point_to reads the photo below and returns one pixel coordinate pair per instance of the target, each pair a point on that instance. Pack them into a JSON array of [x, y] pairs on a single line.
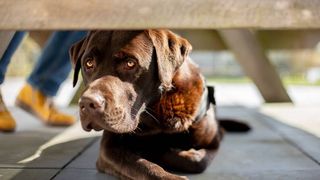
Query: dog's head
[[122, 70]]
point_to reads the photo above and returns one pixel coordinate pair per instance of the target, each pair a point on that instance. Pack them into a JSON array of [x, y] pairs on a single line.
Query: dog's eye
[[90, 63], [130, 64]]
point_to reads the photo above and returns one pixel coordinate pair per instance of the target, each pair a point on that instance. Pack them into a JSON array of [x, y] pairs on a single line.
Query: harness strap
[[211, 97], [207, 99]]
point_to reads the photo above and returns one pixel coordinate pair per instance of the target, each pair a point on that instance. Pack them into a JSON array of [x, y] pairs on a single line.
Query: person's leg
[[6, 57], [54, 66], [7, 122], [51, 70]]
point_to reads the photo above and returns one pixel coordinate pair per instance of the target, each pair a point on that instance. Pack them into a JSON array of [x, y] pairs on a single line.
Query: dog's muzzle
[[92, 107], [107, 104]]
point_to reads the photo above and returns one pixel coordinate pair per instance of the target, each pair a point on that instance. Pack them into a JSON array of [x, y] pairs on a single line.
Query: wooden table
[[137, 14]]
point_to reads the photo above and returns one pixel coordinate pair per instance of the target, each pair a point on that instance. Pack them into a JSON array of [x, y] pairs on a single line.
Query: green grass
[[298, 80], [229, 79], [288, 80]]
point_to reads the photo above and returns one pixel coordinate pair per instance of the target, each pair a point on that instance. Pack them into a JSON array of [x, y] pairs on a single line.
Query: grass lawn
[[288, 80]]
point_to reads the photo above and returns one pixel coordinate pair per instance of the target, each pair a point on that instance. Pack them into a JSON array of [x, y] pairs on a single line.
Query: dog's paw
[[175, 177], [183, 178], [193, 155]]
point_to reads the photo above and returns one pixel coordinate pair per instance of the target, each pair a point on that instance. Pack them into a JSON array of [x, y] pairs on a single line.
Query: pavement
[[271, 150]]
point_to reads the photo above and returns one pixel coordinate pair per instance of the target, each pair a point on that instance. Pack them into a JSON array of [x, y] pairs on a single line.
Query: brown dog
[[150, 99]]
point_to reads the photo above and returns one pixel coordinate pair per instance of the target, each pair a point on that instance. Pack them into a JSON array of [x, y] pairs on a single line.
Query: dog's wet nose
[[93, 103], [88, 127]]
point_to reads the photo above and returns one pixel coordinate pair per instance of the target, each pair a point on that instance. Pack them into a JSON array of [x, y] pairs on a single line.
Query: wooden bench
[[234, 21]]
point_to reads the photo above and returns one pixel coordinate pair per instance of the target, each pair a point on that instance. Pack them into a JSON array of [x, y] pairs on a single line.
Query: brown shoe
[[7, 122], [36, 103]]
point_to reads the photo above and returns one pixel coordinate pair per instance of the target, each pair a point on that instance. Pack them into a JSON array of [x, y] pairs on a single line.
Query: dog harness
[[206, 99]]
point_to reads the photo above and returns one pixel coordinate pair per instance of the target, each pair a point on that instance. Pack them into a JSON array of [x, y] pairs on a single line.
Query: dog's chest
[[177, 109]]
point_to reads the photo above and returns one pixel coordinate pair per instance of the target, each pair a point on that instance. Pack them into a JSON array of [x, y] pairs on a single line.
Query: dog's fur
[[155, 113]]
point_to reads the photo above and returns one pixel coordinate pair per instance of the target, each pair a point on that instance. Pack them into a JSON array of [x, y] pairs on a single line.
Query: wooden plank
[[40, 37], [137, 14], [288, 39], [255, 64], [205, 39]]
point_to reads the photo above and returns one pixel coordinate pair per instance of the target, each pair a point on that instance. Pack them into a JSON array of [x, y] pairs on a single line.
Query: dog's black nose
[[92, 103]]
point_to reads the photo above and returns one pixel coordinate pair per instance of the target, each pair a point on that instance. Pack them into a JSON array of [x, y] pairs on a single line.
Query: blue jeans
[[6, 57], [53, 65]]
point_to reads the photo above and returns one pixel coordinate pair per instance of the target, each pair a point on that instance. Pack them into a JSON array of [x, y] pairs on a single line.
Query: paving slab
[[265, 175], [30, 134], [84, 166], [272, 150], [263, 153], [35, 145], [83, 174], [27, 174], [87, 159], [306, 142]]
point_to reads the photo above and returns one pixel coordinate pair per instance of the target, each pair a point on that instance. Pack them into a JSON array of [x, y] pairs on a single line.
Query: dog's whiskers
[[150, 109], [152, 116], [136, 130], [146, 109]]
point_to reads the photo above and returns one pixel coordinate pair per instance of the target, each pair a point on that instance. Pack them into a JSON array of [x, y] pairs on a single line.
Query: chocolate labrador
[[151, 101]]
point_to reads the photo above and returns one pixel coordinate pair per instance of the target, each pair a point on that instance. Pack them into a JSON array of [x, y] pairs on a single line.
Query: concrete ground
[[272, 150], [283, 144]]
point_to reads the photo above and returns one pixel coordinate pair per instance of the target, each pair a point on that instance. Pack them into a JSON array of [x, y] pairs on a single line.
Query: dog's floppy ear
[[171, 51], [76, 51]]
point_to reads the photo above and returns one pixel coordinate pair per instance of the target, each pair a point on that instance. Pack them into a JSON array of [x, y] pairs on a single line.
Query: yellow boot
[[7, 122], [36, 103]]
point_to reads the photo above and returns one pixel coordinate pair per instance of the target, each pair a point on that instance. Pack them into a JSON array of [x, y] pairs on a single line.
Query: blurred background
[[295, 55]]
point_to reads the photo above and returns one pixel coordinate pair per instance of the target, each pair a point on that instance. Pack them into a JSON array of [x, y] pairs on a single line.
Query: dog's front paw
[[182, 178], [193, 155], [104, 167], [175, 177]]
